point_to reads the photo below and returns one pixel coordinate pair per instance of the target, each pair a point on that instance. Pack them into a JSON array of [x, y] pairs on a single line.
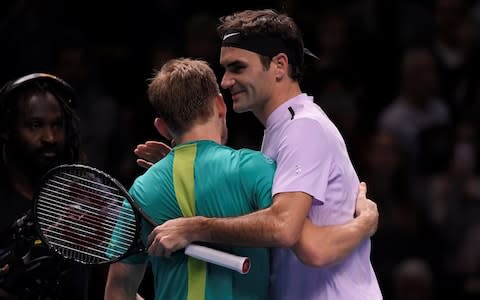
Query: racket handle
[[237, 263]]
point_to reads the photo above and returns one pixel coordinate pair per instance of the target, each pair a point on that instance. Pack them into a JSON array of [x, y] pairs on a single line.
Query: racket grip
[[234, 262]]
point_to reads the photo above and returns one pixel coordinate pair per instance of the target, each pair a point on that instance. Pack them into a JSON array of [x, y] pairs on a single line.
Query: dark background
[[427, 188]]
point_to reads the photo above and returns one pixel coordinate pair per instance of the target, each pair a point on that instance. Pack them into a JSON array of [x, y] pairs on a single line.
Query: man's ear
[[162, 128], [281, 64], [221, 106]]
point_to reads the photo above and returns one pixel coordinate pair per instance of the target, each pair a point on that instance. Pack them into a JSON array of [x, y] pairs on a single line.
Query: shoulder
[[310, 135], [306, 113], [308, 127], [157, 172], [254, 157], [253, 162]]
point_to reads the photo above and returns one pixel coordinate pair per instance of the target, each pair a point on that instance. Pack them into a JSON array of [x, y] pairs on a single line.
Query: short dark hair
[[268, 23]]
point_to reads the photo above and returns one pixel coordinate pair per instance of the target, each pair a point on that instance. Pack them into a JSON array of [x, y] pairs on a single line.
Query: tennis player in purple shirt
[[321, 250], [312, 158]]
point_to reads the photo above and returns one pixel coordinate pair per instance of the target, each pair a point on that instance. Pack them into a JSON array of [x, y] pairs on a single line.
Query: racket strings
[[83, 216], [97, 204], [85, 219], [57, 199]]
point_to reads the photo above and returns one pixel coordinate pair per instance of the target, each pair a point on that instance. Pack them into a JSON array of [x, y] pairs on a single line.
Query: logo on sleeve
[[298, 169]]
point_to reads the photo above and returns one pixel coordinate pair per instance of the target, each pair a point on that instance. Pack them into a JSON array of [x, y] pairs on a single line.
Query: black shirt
[[34, 273]]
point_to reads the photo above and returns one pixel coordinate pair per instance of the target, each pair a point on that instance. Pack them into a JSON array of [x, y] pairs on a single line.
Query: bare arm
[[279, 225], [123, 281], [322, 246]]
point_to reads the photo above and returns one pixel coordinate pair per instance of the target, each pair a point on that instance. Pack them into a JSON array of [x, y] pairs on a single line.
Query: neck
[[206, 131], [280, 95]]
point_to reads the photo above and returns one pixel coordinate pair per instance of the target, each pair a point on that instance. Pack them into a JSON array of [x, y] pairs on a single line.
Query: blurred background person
[[38, 130]]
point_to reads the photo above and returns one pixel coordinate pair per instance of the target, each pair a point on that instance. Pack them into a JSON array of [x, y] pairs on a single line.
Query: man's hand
[[150, 153], [172, 235], [366, 209]]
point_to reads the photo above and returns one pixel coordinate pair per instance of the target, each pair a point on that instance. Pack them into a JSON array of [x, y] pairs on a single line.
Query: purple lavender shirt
[[312, 157]]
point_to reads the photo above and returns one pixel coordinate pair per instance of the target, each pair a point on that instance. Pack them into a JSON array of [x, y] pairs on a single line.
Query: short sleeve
[[304, 159]]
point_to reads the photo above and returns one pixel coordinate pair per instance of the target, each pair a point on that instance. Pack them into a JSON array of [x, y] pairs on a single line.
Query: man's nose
[[227, 81], [49, 134]]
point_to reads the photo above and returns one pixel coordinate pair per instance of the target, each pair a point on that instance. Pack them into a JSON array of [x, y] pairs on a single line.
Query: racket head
[[84, 215]]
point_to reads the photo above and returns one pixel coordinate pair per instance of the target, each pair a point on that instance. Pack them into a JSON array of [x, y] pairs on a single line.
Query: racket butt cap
[[246, 266]]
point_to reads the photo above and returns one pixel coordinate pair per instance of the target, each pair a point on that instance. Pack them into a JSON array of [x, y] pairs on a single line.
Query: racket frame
[[227, 260]]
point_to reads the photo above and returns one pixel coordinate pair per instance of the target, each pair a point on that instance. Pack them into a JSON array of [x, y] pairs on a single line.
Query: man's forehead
[[40, 104], [229, 55]]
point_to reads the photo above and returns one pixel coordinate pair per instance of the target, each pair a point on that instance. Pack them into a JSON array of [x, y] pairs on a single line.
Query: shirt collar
[[282, 113]]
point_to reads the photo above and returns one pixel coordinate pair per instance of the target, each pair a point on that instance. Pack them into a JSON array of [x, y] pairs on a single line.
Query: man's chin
[[46, 164], [239, 109]]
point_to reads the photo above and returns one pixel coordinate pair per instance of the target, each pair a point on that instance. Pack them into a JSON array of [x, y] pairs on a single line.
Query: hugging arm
[[281, 225], [326, 245], [277, 226]]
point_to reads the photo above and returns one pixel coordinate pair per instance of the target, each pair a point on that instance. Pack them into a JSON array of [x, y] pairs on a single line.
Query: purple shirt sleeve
[[304, 160]]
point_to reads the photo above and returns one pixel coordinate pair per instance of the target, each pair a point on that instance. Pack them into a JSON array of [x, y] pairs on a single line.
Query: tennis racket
[[87, 216]]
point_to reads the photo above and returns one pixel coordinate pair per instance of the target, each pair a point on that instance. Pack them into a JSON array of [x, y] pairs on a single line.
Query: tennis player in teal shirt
[[199, 176]]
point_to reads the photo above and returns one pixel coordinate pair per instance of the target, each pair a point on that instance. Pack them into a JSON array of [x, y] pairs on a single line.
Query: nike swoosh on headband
[[230, 35]]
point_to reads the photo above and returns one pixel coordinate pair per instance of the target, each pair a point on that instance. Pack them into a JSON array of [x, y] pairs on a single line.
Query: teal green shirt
[[208, 179]]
